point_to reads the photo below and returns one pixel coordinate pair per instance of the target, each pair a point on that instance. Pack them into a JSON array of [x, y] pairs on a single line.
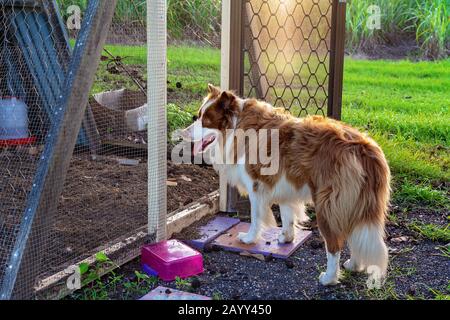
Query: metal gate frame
[[55, 159], [232, 71]]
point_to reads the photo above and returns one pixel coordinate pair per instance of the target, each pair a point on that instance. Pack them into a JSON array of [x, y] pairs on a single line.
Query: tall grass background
[[426, 21]]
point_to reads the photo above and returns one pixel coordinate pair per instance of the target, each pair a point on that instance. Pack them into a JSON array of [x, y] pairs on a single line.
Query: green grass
[[406, 107], [408, 194], [431, 231]]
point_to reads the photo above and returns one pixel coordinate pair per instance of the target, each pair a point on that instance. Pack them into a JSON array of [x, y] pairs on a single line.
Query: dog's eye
[[195, 118]]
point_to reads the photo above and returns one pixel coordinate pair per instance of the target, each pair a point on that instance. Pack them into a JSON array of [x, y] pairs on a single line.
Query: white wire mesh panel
[[157, 122]]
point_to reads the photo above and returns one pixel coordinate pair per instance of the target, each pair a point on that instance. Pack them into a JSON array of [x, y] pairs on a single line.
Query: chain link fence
[[287, 45]]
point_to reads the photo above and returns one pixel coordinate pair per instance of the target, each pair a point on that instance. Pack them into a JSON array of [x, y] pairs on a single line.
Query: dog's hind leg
[[300, 213], [334, 245], [288, 215]]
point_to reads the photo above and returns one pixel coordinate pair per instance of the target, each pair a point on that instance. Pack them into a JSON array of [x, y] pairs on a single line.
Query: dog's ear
[[226, 99], [213, 90]]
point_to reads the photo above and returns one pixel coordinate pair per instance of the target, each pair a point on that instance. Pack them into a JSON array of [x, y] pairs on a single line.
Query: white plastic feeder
[[13, 119]]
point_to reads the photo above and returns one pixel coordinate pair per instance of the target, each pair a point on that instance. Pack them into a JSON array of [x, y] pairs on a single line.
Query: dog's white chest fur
[[281, 192]]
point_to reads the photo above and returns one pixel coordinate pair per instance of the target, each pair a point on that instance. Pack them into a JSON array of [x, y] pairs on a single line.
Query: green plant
[[140, 286], [431, 22], [177, 118], [131, 11], [182, 284], [445, 250], [410, 194], [217, 296], [431, 231], [197, 16], [427, 19], [438, 295], [94, 287]]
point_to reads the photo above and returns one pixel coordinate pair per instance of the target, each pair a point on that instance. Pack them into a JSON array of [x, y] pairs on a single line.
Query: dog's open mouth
[[201, 146]]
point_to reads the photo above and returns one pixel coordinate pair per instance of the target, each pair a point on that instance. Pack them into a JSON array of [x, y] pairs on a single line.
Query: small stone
[[289, 263], [400, 239], [236, 296], [412, 290], [316, 244], [195, 283], [212, 272], [223, 270], [269, 257]]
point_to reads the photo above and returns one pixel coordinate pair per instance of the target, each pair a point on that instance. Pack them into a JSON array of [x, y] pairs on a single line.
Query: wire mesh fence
[[104, 196], [109, 160], [33, 63], [287, 45]]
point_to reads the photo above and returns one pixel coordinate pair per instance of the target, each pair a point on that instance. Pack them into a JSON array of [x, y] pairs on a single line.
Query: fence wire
[[287, 45]]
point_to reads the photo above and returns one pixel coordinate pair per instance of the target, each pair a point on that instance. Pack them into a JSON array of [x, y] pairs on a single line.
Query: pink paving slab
[[162, 293], [171, 259], [268, 244], [213, 229]]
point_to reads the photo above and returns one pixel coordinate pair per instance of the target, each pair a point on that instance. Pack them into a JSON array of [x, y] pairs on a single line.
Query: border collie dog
[[340, 170]]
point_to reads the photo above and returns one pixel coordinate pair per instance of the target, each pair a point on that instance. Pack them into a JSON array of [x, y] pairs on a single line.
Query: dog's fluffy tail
[[368, 249], [366, 237]]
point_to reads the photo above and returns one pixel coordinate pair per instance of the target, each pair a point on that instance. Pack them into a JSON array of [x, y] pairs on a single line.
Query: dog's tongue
[[198, 147]]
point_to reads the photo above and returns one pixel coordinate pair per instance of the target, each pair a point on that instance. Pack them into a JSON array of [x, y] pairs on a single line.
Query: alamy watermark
[[74, 19], [74, 280], [235, 147], [374, 19]]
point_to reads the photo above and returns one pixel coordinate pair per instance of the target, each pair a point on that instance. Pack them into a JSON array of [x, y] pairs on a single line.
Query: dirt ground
[[103, 200], [417, 270]]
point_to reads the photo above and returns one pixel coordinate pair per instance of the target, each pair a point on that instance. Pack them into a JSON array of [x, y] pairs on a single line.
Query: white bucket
[[13, 119]]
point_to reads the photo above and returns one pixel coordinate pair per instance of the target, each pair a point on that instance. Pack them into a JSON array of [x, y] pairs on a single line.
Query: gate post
[[336, 59], [232, 71]]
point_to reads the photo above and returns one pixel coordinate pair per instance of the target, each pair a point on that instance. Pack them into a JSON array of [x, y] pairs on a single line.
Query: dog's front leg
[[258, 208]]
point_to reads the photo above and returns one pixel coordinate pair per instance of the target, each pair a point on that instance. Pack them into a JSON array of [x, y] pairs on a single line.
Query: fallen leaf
[[400, 239], [260, 257]]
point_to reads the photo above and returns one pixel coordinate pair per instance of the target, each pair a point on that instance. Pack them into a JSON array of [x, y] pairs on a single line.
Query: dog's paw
[[351, 266], [328, 280], [283, 238], [246, 238]]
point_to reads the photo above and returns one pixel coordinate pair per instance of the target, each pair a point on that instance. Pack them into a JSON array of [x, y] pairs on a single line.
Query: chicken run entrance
[[83, 119]]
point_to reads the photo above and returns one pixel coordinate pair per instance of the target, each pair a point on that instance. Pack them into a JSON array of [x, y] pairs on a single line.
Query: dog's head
[[217, 114]]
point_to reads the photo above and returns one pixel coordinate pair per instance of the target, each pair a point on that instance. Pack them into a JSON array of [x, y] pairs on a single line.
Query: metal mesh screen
[[107, 191], [287, 53], [33, 66], [104, 196]]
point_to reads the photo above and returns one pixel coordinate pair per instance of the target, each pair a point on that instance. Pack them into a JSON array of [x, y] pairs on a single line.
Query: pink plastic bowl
[[171, 259]]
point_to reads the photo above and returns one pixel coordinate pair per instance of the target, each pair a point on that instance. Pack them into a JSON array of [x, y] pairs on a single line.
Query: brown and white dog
[[341, 170]]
